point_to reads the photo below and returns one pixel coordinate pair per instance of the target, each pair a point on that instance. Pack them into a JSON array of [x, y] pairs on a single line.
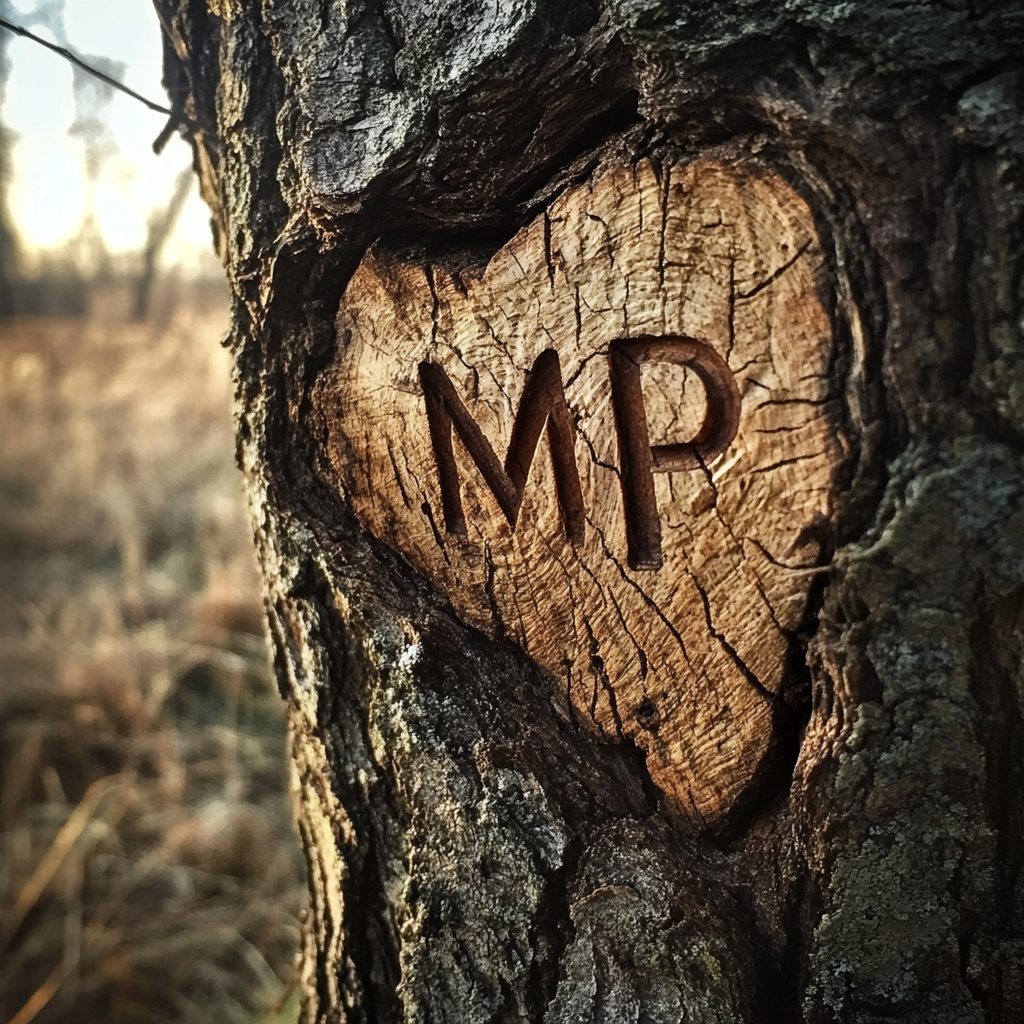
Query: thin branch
[[78, 62]]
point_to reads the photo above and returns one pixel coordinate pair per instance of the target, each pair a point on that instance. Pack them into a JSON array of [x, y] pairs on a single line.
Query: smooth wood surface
[[684, 660]]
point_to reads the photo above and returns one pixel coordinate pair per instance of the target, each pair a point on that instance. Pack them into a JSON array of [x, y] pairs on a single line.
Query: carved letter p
[[639, 460]]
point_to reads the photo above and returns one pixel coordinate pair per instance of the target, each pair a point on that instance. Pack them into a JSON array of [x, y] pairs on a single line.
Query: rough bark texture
[[477, 853]]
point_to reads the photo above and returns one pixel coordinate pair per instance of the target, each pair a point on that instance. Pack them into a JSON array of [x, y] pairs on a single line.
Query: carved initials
[[543, 402], [640, 461]]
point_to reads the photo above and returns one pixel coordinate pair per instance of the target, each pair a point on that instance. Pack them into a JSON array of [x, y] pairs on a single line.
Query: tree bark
[[815, 812]]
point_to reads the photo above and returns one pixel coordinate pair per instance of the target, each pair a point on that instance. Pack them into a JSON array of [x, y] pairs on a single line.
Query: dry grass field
[[149, 870]]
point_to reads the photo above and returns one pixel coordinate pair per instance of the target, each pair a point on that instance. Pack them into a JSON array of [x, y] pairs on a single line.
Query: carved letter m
[[543, 402]]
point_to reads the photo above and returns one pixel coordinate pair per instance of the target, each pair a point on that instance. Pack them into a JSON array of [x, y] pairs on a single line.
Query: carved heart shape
[[686, 660]]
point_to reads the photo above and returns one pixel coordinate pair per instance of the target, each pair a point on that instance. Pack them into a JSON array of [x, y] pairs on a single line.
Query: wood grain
[[684, 660]]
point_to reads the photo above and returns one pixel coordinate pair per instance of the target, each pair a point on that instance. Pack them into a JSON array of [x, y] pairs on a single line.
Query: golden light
[[51, 190]]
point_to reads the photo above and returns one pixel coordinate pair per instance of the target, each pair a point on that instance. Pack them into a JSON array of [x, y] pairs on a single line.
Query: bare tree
[[716, 714], [8, 241], [161, 224]]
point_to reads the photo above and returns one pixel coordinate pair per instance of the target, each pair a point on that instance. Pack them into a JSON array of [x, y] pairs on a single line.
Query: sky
[[52, 191]]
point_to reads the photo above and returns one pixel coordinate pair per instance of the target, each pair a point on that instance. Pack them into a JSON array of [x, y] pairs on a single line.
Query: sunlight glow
[[48, 197], [51, 193]]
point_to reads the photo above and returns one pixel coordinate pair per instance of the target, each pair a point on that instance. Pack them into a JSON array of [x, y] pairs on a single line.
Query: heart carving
[[662, 334]]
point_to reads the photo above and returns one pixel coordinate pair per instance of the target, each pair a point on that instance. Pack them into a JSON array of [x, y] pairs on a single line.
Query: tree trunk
[[714, 713]]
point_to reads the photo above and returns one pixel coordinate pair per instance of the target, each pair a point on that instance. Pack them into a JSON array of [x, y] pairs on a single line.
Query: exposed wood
[[685, 660]]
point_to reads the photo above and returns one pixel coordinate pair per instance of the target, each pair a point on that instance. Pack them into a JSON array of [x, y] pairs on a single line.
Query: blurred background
[[149, 867]]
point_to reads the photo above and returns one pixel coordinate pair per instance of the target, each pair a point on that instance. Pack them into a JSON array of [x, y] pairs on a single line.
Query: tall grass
[[149, 870]]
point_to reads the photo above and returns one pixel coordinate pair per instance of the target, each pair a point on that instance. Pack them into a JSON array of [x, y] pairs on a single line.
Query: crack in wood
[[775, 275]]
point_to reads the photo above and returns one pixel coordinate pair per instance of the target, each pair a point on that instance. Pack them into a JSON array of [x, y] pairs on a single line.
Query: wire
[[69, 56]]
